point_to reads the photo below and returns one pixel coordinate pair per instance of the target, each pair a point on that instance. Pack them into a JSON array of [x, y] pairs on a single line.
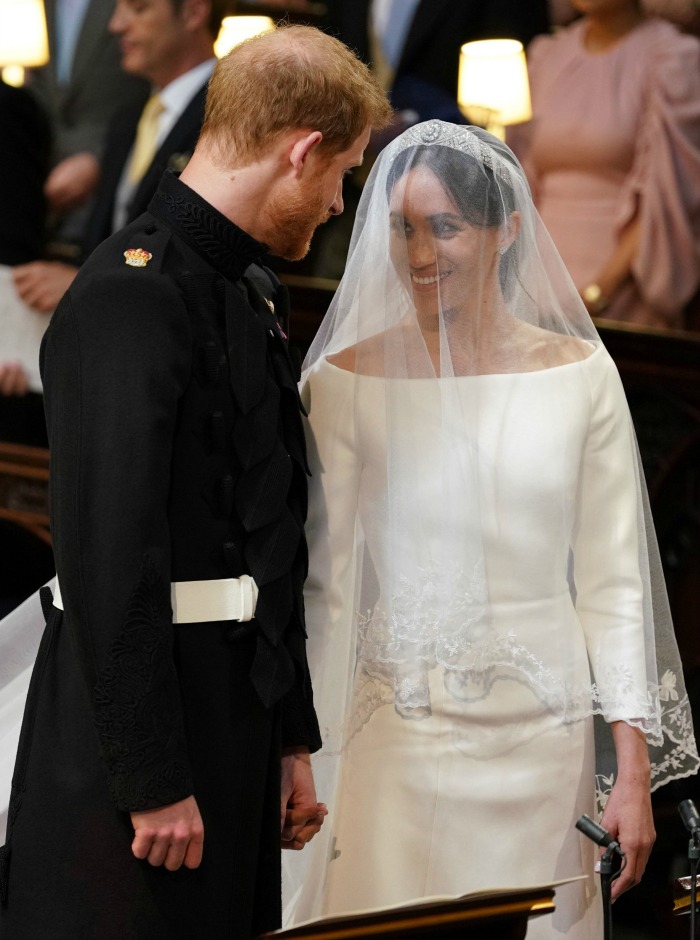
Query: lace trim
[[137, 700], [472, 668], [674, 757], [439, 617], [422, 625]]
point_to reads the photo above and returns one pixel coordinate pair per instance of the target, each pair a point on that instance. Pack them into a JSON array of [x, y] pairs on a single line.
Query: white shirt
[[175, 98], [69, 16]]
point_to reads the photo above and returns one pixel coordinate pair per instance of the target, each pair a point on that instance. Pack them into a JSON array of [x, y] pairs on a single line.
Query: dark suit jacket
[[24, 163], [177, 454], [173, 153], [80, 110], [441, 27], [438, 30]]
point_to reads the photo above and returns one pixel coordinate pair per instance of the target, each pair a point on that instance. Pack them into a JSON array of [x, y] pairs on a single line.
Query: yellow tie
[[146, 135]]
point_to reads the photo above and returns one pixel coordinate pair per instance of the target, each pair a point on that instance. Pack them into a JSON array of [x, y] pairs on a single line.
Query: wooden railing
[[24, 476]]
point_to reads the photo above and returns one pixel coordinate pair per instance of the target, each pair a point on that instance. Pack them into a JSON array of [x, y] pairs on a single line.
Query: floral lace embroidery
[[676, 753], [398, 649]]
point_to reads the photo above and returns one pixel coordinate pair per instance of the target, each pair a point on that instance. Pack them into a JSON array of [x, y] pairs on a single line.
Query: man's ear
[[302, 146], [195, 13]]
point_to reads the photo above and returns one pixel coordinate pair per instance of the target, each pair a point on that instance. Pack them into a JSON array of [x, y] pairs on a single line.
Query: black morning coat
[[177, 454]]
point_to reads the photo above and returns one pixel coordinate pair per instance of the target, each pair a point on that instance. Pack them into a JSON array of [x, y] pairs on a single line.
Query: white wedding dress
[[459, 732]]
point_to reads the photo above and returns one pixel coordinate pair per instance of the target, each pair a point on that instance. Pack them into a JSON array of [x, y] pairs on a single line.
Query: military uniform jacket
[[177, 454]]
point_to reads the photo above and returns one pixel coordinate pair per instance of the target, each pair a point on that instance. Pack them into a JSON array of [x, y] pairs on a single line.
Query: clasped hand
[[173, 835], [301, 815]]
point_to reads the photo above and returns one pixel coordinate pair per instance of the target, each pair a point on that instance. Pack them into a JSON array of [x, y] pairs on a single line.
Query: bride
[[483, 578]]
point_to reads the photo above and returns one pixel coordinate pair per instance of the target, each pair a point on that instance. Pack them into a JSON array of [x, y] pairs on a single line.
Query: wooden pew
[[24, 498]]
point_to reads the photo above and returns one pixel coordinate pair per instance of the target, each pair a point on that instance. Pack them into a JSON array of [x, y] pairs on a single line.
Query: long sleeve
[[116, 361], [331, 534], [329, 400], [608, 552]]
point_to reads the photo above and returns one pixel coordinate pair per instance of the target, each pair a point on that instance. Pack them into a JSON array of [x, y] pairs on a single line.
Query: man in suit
[[166, 739], [80, 89], [169, 43], [24, 163], [414, 44], [27, 562], [413, 48]]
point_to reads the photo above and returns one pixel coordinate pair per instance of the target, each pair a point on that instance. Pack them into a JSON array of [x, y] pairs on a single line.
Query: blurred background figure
[[80, 88], [684, 13], [170, 43], [24, 157], [53, 136], [24, 162], [613, 157], [413, 48], [413, 45]]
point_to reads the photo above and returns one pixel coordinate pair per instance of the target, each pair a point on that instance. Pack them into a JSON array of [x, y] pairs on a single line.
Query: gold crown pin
[[137, 257]]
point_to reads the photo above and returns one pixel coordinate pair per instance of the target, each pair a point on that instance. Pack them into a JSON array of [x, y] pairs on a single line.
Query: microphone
[[689, 815], [595, 832]]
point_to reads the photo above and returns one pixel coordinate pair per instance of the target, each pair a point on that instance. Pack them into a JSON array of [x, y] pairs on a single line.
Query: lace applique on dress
[[673, 750], [400, 642]]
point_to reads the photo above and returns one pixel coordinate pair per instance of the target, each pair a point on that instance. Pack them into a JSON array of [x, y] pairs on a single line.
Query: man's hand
[[301, 814], [41, 284], [72, 181], [170, 835], [13, 378]]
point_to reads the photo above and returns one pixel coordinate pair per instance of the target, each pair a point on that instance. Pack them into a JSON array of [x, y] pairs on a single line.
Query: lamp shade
[[236, 29], [23, 39], [493, 81]]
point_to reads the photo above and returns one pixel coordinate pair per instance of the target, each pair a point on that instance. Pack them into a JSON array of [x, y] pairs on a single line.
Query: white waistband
[[204, 601]]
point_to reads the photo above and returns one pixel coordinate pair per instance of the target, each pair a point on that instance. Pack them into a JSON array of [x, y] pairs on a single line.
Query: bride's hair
[[471, 184], [483, 200]]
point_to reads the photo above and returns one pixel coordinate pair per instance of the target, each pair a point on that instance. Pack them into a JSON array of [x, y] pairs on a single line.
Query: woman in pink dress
[[613, 157]]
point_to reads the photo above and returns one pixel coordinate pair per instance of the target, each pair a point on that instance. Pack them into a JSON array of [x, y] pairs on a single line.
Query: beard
[[292, 220]]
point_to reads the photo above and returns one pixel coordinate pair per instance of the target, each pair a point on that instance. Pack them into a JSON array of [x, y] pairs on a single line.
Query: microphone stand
[[607, 876], [608, 870], [691, 821], [694, 859]]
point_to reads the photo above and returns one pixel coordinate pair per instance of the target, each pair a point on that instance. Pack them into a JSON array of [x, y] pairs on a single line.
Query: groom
[[170, 718]]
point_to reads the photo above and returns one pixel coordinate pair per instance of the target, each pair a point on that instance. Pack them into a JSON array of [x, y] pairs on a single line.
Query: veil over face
[[489, 521], [448, 253]]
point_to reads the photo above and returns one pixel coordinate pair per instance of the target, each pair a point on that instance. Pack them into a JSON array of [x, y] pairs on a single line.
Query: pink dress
[[613, 132]]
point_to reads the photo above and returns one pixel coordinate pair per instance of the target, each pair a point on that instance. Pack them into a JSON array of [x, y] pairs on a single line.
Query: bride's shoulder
[[366, 357], [346, 359], [546, 349]]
